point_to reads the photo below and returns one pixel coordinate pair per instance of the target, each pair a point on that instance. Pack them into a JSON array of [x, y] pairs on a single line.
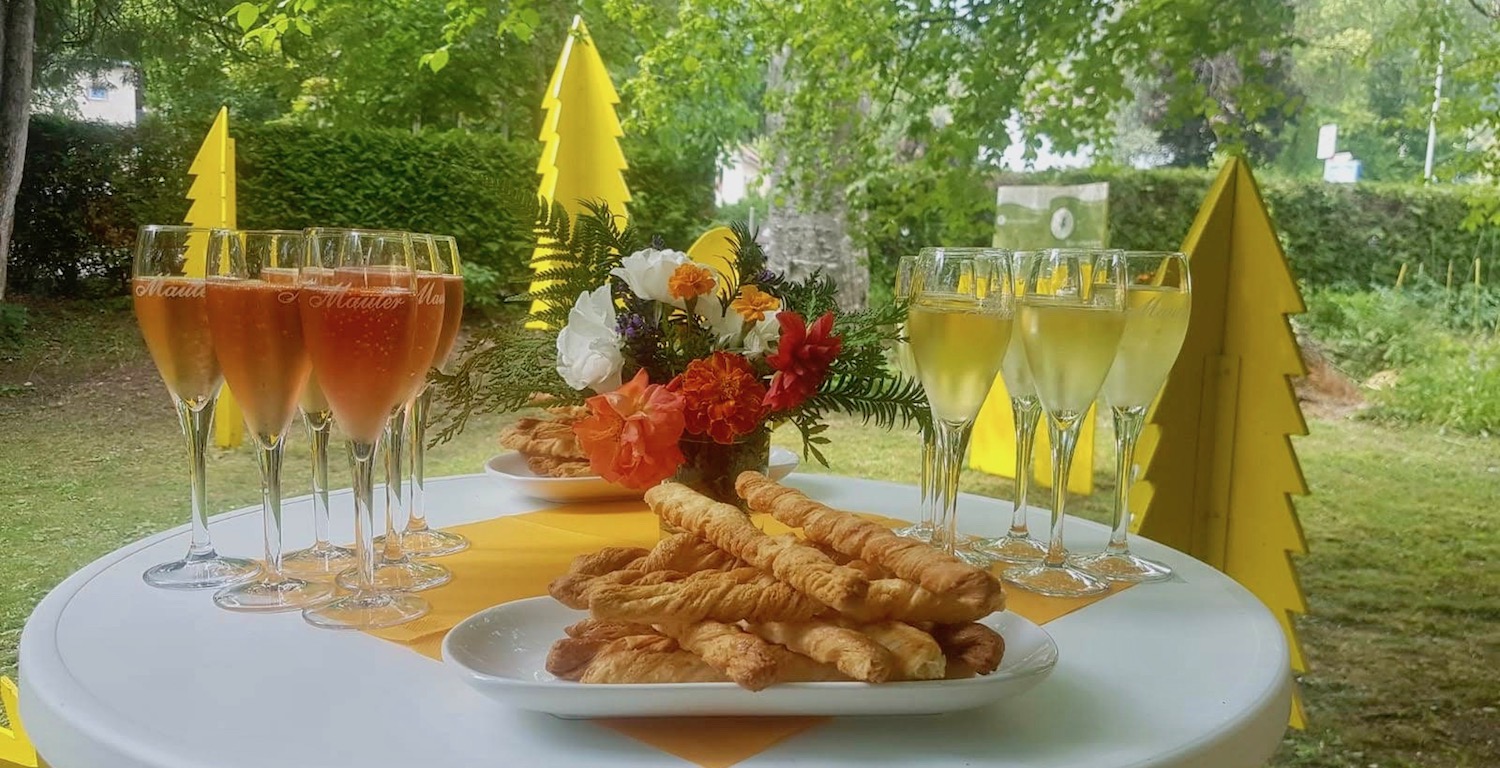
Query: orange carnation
[[689, 281], [722, 397], [631, 434], [753, 303]]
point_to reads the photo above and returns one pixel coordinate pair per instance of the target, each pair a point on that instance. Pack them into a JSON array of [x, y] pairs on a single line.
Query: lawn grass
[[1403, 638]]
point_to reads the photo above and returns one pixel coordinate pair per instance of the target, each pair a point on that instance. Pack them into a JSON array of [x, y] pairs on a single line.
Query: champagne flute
[[323, 560], [418, 540], [359, 306], [172, 309], [396, 570], [1017, 545], [257, 332], [1158, 303], [1072, 315], [927, 494], [958, 324]]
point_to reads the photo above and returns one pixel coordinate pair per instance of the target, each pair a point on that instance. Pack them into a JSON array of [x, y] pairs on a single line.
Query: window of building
[[98, 90]]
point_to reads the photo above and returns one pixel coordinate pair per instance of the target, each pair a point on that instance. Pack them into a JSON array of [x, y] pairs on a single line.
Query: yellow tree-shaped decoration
[[15, 747], [1219, 469], [212, 196], [581, 154]]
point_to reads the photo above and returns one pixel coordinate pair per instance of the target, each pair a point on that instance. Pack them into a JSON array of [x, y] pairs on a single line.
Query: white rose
[[588, 348], [646, 273]]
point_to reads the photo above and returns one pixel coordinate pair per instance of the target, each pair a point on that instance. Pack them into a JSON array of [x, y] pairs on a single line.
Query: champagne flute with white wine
[[1071, 317], [1018, 545], [958, 325], [1158, 303], [907, 362]]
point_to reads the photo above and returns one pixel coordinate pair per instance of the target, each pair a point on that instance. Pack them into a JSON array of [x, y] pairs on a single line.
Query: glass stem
[[930, 496], [317, 433], [1128, 423], [270, 499], [1064, 434], [1027, 412], [196, 426], [395, 439], [362, 469], [416, 513], [953, 439]]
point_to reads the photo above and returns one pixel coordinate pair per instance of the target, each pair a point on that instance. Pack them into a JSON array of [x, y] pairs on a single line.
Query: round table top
[[1189, 672]]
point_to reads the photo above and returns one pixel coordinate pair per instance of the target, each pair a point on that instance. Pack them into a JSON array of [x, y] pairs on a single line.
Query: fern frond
[[501, 369]]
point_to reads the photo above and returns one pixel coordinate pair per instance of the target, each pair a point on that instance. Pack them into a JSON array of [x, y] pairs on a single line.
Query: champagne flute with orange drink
[[419, 540], [358, 305], [256, 326], [396, 570], [172, 308]]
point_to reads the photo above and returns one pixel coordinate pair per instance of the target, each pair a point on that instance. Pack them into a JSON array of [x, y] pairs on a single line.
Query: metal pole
[[1437, 98]]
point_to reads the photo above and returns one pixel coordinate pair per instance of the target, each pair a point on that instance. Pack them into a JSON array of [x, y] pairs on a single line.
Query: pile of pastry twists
[[726, 602], [548, 443]]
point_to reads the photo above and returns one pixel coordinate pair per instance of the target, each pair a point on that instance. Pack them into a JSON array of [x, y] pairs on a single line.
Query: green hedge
[[1336, 236], [87, 186]]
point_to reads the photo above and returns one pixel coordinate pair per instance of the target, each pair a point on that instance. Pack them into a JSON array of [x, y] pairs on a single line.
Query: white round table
[[115, 674]]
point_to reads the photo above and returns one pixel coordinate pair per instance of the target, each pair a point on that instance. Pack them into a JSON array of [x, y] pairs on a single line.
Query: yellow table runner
[[515, 556]]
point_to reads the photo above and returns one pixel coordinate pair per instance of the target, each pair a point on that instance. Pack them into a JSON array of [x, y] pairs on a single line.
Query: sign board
[[1342, 168], [1029, 218], [1328, 137]]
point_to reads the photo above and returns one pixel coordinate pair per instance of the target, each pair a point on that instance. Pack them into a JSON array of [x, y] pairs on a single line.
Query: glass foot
[[273, 596], [1013, 549], [367, 610], [1054, 580], [916, 531], [320, 562], [1121, 566], [408, 576], [429, 543], [972, 556], [208, 571]]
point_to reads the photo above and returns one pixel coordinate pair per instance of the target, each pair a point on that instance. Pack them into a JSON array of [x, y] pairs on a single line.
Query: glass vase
[[710, 468]]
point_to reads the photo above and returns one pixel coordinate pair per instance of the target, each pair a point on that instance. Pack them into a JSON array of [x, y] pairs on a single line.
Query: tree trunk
[[802, 236], [17, 44]]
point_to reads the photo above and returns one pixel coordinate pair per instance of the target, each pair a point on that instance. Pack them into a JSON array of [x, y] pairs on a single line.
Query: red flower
[[631, 434], [722, 397], [801, 360]]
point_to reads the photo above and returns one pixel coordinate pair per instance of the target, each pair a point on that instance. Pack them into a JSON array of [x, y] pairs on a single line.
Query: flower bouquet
[[684, 370]]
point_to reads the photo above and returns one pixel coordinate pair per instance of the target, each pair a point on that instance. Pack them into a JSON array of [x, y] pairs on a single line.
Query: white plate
[[502, 651], [510, 469]]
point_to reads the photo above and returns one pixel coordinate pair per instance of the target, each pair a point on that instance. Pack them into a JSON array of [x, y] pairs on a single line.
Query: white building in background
[[107, 96]]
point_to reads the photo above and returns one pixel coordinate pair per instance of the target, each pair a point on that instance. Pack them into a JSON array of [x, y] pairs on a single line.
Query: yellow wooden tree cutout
[[212, 196], [581, 154], [15, 747], [1218, 465]]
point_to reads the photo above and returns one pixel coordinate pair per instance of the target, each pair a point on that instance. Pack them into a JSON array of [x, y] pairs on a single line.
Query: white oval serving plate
[[501, 652], [510, 469]]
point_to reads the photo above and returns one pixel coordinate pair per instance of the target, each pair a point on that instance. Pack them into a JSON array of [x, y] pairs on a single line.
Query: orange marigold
[[753, 303], [722, 397], [689, 281]]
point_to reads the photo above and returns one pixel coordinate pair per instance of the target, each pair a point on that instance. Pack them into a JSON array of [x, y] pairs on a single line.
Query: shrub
[[87, 186], [1370, 331], [1350, 237], [1456, 385]]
